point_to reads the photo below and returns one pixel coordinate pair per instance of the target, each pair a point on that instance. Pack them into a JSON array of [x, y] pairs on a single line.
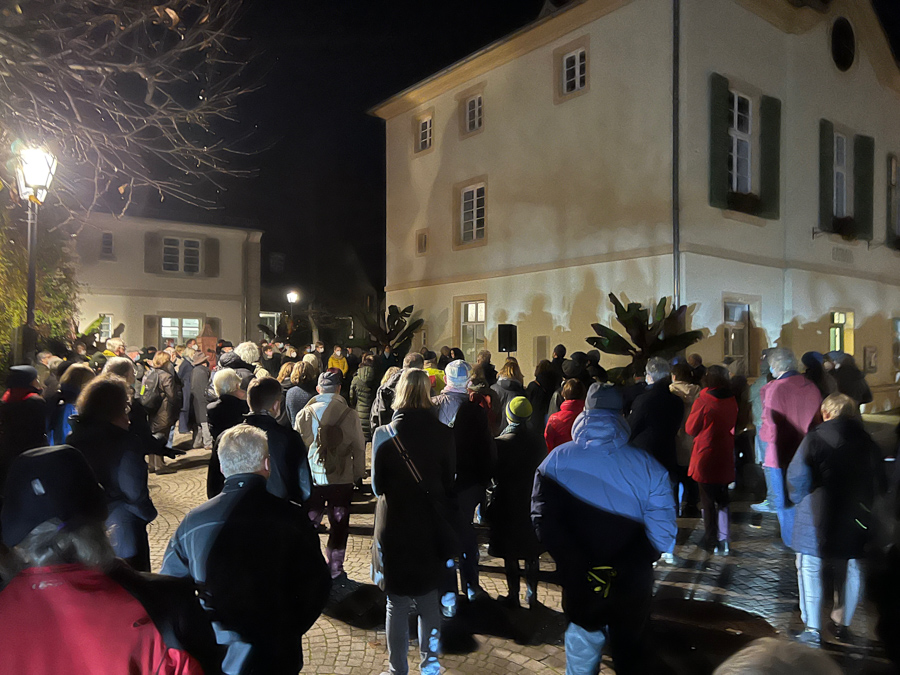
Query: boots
[[336, 561]]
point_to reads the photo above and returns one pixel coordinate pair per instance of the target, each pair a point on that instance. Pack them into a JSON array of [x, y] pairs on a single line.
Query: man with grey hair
[[790, 409], [258, 559], [382, 406], [249, 353], [655, 419], [116, 346]]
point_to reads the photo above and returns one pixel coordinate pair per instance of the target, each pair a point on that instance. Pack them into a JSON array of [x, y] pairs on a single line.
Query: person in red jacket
[[711, 423], [559, 426], [71, 606]]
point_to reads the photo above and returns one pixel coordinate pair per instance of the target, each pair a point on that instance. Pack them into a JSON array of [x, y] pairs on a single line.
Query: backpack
[[151, 398], [329, 439]]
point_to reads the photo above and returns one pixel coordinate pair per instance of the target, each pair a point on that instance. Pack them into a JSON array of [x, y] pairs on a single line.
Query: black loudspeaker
[[507, 337]]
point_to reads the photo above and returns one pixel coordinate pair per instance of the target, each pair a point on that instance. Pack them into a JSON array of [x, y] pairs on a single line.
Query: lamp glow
[[293, 297], [35, 168]]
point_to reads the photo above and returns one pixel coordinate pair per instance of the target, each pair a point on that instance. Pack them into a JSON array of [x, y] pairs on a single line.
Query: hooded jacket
[[559, 426], [602, 506], [711, 423], [382, 406], [332, 409], [834, 479]]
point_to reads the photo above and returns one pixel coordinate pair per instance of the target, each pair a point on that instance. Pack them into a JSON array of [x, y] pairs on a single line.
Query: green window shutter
[[151, 330], [864, 186], [719, 141], [826, 176], [770, 158], [211, 256], [152, 252], [890, 233]]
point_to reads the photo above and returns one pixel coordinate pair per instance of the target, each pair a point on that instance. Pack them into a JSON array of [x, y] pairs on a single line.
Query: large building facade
[[168, 280], [534, 177]]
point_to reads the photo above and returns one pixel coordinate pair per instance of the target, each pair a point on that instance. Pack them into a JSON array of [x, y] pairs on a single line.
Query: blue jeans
[[396, 626], [784, 509], [583, 650]]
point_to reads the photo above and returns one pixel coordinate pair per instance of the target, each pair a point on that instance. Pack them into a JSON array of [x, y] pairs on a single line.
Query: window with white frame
[[474, 113], [737, 335], [740, 130], [472, 213], [180, 329], [472, 328], [840, 335], [105, 327], [574, 71], [840, 176], [423, 142], [107, 252], [181, 255]]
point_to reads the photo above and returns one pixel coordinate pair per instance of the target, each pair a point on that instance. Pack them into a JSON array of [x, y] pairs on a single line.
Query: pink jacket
[[790, 409]]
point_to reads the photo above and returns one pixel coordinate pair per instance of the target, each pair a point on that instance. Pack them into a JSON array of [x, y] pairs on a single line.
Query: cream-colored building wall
[[565, 181], [124, 288], [559, 305]]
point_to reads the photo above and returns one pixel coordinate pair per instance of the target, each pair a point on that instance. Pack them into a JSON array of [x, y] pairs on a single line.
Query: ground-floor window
[[737, 336], [105, 327], [840, 335], [270, 320], [179, 329], [472, 328]]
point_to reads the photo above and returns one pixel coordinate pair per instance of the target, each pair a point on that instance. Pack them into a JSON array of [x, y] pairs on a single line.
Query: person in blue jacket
[[604, 511]]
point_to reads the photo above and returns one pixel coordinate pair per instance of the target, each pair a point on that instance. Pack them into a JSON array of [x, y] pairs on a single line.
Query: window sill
[[742, 217], [461, 246]]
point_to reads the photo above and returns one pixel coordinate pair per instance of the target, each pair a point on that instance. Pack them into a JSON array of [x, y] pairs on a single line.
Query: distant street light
[[292, 298], [35, 168]]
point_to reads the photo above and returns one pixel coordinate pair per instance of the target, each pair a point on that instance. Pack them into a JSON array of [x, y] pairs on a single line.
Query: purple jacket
[[790, 409]]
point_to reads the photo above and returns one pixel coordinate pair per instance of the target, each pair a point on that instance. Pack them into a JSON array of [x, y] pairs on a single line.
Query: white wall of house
[[578, 191], [133, 288]]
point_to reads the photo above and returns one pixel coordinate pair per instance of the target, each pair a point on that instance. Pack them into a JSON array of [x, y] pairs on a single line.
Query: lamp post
[[292, 298], [35, 168]]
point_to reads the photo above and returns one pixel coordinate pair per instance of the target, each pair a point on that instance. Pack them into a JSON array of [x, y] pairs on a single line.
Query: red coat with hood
[[711, 423], [559, 426]]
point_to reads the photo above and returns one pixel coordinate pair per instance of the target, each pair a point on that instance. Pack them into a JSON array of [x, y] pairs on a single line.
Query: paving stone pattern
[[758, 577]]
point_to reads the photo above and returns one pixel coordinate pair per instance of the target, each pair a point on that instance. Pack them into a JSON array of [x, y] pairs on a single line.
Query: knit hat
[[812, 360], [46, 483], [20, 377], [329, 382], [457, 374], [603, 396], [519, 409]]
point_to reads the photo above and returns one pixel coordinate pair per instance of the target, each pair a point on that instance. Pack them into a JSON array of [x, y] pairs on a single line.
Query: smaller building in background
[[167, 280]]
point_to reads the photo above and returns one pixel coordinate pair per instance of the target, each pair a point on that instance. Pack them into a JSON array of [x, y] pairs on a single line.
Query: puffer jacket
[[362, 393], [711, 423], [559, 426]]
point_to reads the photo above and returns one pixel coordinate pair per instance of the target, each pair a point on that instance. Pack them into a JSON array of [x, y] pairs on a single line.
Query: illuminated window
[[179, 329], [841, 333], [740, 130], [181, 255], [574, 71], [472, 328], [472, 213], [106, 327], [737, 335]]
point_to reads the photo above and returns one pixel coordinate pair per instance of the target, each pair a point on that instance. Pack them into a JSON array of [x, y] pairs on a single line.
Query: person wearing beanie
[[72, 606], [475, 458], [814, 371], [604, 510], [337, 459], [559, 426], [23, 417], [508, 505]]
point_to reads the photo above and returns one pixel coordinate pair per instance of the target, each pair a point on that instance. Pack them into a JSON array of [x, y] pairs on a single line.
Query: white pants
[[847, 589]]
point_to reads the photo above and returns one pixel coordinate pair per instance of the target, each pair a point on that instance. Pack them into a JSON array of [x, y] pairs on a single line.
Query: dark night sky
[[319, 194]]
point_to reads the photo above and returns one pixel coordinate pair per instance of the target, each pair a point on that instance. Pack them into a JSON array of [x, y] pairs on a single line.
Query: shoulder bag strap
[[408, 460]]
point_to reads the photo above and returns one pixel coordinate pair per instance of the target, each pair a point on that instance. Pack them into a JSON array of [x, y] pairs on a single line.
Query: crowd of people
[[591, 472]]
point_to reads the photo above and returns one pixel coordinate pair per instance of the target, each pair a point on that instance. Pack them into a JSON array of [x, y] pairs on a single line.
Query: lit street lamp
[[35, 167], [292, 298]]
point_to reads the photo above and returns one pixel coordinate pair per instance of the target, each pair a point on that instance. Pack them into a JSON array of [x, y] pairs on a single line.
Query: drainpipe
[[676, 152]]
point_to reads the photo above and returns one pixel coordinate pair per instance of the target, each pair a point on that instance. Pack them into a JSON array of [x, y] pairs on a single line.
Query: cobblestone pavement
[[759, 577]]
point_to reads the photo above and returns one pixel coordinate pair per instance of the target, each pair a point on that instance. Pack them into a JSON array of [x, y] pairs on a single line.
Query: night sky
[[319, 193]]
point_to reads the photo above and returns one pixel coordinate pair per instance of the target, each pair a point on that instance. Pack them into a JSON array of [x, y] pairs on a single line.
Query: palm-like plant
[[659, 335], [395, 329]]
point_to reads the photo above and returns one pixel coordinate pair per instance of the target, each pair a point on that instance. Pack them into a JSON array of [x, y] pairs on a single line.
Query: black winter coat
[[519, 453], [170, 388], [290, 477], [656, 417], [117, 458], [23, 426], [540, 393], [362, 393], [834, 478], [227, 412], [476, 451], [260, 564], [410, 545], [506, 390], [851, 381], [199, 392]]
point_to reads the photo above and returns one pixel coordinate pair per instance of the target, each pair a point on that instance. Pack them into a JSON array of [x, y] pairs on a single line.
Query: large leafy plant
[[659, 334], [394, 330]]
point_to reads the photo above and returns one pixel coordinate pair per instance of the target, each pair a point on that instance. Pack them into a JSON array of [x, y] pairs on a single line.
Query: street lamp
[[292, 298], [35, 167]]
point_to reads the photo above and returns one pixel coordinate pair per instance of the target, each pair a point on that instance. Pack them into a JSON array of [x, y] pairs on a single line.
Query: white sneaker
[[668, 558], [448, 605]]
